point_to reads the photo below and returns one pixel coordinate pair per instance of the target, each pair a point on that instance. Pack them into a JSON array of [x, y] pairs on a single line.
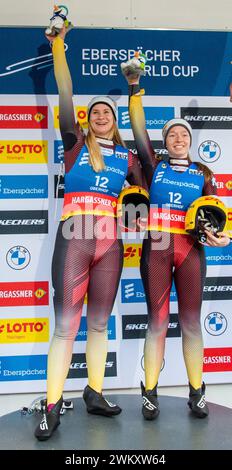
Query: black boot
[[197, 402], [49, 422], [150, 407], [97, 405]]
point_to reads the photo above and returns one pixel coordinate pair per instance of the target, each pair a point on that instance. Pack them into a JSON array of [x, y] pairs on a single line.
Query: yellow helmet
[[205, 213], [133, 203]]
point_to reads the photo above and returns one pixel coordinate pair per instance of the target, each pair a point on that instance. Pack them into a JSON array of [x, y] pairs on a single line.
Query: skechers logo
[[208, 118], [23, 222]]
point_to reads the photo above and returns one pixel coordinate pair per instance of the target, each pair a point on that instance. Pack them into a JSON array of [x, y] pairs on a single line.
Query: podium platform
[[174, 429]]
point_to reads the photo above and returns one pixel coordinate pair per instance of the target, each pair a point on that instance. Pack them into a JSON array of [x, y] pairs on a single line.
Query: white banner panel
[[183, 79]]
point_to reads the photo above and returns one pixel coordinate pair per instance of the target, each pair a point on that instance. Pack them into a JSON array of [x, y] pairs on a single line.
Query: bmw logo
[[215, 323], [18, 257], [209, 151]]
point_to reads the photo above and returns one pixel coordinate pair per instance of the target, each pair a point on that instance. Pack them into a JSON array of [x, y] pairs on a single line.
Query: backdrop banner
[[187, 75]]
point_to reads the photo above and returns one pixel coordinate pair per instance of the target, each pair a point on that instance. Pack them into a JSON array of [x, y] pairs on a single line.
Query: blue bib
[[82, 178], [174, 189]]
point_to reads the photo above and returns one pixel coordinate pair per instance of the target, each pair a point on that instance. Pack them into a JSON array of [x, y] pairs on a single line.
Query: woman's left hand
[[220, 240]]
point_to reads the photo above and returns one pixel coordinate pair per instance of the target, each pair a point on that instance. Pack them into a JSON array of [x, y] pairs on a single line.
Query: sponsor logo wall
[[182, 79]]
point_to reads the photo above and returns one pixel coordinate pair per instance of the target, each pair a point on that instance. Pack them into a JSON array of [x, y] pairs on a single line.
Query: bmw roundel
[[209, 151], [215, 323], [18, 257]]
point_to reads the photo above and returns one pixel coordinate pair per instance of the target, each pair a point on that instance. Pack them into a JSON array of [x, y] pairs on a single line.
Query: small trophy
[[134, 66], [58, 20]]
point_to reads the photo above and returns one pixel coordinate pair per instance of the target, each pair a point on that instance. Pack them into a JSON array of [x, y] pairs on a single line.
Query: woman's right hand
[[132, 70], [61, 34]]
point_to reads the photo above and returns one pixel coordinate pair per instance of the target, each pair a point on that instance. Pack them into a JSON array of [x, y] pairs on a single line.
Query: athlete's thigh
[[189, 281], [156, 272], [104, 279], [70, 269]]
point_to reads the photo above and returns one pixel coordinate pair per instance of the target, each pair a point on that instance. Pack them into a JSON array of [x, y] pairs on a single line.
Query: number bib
[[171, 194], [88, 192]]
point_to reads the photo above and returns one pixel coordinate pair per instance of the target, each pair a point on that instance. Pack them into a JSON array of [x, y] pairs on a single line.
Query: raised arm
[[145, 151], [69, 130]]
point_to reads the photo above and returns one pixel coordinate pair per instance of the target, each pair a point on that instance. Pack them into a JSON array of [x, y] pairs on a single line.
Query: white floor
[[219, 394]]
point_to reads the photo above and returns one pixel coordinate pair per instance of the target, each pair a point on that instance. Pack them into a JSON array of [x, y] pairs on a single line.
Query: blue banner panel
[[155, 117], [219, 256], [23, 186], [182, 63], [23, 368], [132, 291], [82, 333]]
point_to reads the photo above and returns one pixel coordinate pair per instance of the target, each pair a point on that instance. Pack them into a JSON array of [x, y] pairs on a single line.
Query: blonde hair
[[96, 159]]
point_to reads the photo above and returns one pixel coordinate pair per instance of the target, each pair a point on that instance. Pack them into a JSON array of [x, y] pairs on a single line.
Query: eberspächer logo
[[209, 151], [18, 257], [215, 323]]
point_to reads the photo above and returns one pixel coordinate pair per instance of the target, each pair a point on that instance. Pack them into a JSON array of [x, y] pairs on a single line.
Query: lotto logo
[[132, 254], [24, 330], [81, 115]]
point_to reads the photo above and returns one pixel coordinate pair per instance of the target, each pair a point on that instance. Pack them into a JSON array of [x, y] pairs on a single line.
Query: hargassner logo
[[18, 257], [209, 151], [58, 151], [82, 333], [219, 256], [217, 288], [155, 117], [208, 118], [13, 368], [215, 323], [23, 151], [22, 222], [23, 117], [23, 187], [78, 366], [135, 326], [217, 360], [16, 294]]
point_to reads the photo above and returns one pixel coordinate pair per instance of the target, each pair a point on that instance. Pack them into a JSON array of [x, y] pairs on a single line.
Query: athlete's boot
[[197, 402], [49, 422], [96, 404], [150, 407]]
